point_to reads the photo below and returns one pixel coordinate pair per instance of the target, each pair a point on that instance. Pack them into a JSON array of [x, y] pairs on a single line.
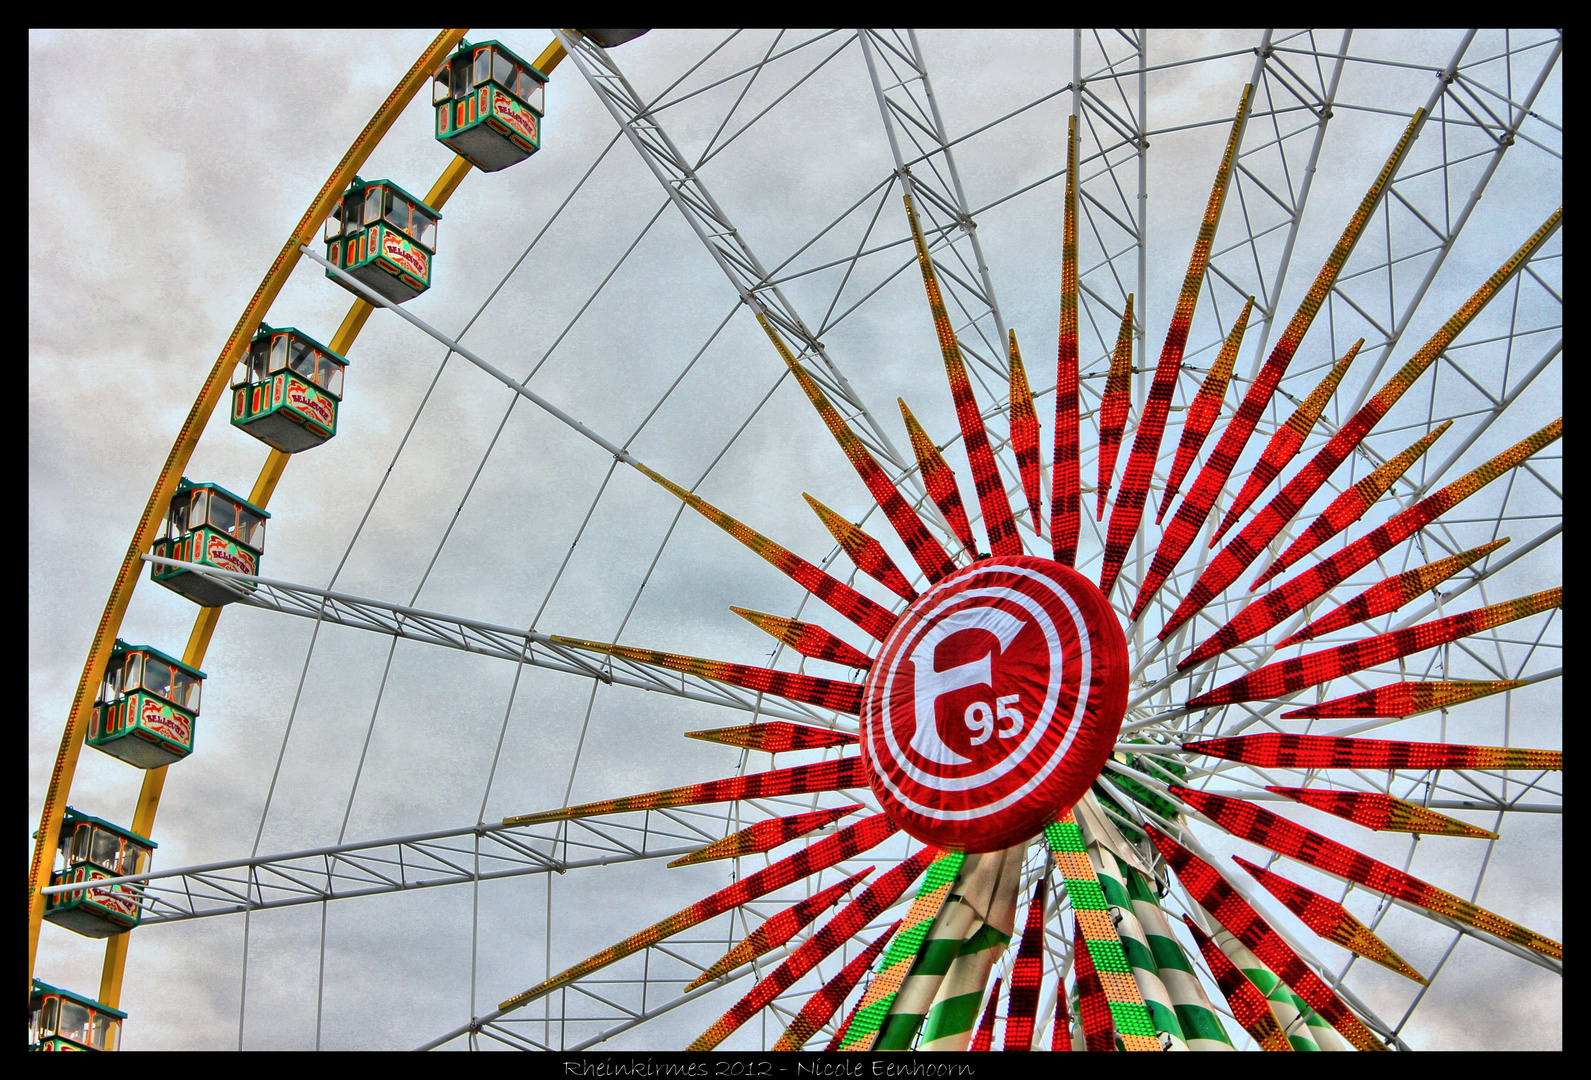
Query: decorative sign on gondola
[[383, 237], [994, 703], [287, 389], [147, 706], [210, 526], [489, 103]]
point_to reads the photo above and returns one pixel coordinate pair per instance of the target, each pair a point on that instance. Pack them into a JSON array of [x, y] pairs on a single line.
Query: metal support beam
[[911, 113], [1454, 144], [401, 864], [717, 232], [489, 639]]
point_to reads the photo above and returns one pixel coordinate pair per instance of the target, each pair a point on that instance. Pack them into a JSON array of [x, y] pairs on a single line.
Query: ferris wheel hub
[[994, 703]]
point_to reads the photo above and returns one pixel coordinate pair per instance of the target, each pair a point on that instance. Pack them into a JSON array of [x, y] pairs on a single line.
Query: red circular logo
[[994, 703]]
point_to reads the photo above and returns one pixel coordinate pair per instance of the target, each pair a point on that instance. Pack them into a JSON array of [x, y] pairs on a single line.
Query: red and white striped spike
[[1352, 504], [1287, 440], [865, 551], [870, 616], [940, 480], [1258, 533], [1065, 480], [1127, 514], [1212, 478], [1205, 409], [927, 552], [1290, 676], [997, 520], [1025, 437], [1114, 406]]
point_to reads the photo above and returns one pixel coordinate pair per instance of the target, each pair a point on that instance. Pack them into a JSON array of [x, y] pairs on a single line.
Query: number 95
[[980, 718]]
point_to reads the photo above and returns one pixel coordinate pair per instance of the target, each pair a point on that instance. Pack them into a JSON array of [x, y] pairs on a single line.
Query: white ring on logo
[[1019, 754]]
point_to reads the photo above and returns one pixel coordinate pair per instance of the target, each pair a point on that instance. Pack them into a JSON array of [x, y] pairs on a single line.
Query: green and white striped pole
[[954, 1012], [1305, 1028], [863, 1026], [1150, 944], [1201, 1024], [1096, 929], [968, 896], [1140, 958]]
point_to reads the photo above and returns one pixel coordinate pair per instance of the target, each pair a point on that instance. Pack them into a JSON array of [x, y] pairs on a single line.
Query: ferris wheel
[[1286, 513]]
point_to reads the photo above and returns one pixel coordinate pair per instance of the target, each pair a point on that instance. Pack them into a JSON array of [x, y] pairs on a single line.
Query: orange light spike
[[1289, 676], [1274, 749], [775, 737], [866, 552], [765, 836], [807, 639], [984, 1039], [1251, 822], [1065, 479], [1248, 1005], [825, 693], [1292, 596], [777, 929], [1383, 813], [1244, 548], [1402, 699], [1127, 514], [1027, 972], [847, 843], [1216, 896], [801, 780], [823, 1004], [1352, 504], [871, 617], [1389, 595], [876, 899], [1205, 409], [927, 552], [940, 480], [1114, 405], [1025, 436], [1331, 921], [1288, 440], [1211, 481], [997, 519]]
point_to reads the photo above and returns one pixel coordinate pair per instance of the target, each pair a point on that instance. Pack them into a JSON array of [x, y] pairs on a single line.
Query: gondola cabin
[[489, 105], [384, 237], [61, 1020], [209, 525], [91, 850], [287, 389], [148, 706]]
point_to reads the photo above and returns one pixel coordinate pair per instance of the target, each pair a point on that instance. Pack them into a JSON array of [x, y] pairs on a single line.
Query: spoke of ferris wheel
[[497, 1019], [1216, 615], [1318, 104], [406, 863], [635, 1020], [1503, 135], [909, 104], [498, 1026], [1233, 879], [717, 232], [1491, 417], [490, 639]]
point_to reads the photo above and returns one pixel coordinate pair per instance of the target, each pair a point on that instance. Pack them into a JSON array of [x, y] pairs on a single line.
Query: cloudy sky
[[158, 200]]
